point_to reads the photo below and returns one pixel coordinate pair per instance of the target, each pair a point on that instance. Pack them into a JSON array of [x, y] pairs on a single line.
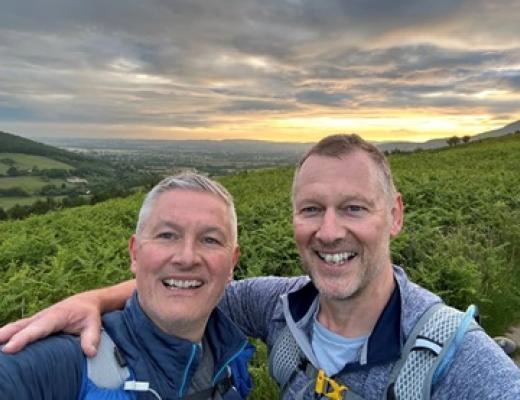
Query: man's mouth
[[337, 258], [181, 283]]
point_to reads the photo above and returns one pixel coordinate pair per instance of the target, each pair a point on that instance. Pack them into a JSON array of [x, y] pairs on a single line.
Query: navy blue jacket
[[55, 367]]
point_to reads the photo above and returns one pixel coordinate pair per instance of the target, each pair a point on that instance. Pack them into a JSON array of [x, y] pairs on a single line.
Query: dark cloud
[[253, 106], [322, 98]]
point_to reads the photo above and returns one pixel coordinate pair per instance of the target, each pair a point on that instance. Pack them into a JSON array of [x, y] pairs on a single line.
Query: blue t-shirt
[[333, 351]]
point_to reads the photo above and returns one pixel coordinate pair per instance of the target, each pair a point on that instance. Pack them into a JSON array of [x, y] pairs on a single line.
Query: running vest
[[109, 377], [426, 357]]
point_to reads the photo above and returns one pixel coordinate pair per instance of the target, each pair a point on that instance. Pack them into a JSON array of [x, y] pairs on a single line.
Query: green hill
[[28, 162], [35, 178], [10, 143], [461, 236]]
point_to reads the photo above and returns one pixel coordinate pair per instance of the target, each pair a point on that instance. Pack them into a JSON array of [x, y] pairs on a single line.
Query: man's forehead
[[317, 164], [189, 205], [353, 166], [178, 224], [189, 196]]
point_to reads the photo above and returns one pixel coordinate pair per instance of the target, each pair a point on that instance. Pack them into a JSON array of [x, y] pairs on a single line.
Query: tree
[[466, 138], [3, 214], [55, 173], [12, 171], [40, 207], [453, 141], [14, 192], [18, 211]]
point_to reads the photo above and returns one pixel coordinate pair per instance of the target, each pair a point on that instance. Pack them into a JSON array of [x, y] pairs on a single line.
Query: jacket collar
[[384, 343], [153, 354]]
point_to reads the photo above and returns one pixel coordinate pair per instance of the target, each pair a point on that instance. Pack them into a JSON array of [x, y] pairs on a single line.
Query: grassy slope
[[7, 202], [29, 183], [27, 161]]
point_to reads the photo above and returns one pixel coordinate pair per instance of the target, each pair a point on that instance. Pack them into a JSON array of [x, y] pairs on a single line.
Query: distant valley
[[64, 172]]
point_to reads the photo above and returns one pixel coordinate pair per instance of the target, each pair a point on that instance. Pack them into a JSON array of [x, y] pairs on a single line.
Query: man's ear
[[132, 250], [235, 257], [397, 215]]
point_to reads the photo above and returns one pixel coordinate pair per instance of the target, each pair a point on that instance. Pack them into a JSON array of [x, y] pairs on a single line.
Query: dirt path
[[514, 333]]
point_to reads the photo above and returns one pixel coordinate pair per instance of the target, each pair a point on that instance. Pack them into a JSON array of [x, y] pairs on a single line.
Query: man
[[169, 342], [343, 334]]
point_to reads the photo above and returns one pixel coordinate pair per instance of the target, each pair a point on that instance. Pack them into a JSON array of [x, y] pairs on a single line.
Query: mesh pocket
[[285, 357], [439, 328]]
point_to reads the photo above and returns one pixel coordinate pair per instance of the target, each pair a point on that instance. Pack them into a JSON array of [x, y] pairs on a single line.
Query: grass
[[26, 162], [8, 202], [29, 183]]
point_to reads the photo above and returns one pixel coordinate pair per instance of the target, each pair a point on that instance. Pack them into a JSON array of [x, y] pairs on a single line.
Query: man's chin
[[332, 289]]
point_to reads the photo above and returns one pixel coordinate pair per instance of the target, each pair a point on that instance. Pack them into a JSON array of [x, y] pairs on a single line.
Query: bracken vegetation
[[461, 236]]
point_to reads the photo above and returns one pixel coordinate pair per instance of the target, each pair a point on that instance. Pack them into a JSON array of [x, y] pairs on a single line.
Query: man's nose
[[330, 229], [186, 255]]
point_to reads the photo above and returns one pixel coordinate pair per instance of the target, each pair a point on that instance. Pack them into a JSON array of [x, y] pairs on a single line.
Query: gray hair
[[342, 144], [187, 181]]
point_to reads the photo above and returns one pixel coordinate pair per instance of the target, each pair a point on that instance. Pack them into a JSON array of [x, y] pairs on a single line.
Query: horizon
[[282, 71]]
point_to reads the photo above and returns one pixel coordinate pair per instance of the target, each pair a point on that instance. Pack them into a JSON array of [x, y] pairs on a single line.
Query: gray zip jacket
[[263, 307]]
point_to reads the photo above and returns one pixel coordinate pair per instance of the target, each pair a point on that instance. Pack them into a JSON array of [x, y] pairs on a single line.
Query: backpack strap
[[286, 360], [429, 351], [107, 369]]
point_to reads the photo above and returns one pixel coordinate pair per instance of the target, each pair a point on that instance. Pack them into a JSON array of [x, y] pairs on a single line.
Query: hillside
[[439, 143], [10, 143], [36, 177], [510, 128], [27, 162], [461, 236]]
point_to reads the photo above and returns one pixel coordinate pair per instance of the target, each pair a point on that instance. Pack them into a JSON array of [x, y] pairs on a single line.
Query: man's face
[[343, 222], [183, 260]]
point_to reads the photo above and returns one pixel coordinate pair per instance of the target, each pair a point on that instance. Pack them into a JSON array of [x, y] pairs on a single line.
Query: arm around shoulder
[[250, 303], [78, 314]]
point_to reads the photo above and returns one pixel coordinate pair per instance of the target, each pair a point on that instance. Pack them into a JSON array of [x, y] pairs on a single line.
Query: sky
[[282, 70]]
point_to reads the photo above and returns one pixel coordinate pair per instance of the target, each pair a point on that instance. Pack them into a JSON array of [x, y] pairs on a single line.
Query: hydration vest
[[109, 377], [426, 357]]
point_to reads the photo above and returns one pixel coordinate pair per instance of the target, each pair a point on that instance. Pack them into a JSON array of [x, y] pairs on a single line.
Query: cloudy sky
[[284, 70]]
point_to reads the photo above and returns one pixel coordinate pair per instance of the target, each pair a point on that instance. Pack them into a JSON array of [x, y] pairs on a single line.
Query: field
[[30, 183], [461, 236], [26, 162], [8, 202]]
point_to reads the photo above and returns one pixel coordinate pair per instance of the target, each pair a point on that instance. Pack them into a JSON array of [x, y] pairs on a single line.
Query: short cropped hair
[[342, 144], [187, 181]]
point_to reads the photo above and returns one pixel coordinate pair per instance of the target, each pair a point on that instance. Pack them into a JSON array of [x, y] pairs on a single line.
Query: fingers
[[76, 314], [32, 329], [90, 336], [11, 329]]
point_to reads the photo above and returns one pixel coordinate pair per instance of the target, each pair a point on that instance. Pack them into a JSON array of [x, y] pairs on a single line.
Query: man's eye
[[310, 210], [210, 240], [354, 209], [166, 235]]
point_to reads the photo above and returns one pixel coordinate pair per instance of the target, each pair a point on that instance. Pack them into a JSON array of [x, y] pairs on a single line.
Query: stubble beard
[[367, 271]]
